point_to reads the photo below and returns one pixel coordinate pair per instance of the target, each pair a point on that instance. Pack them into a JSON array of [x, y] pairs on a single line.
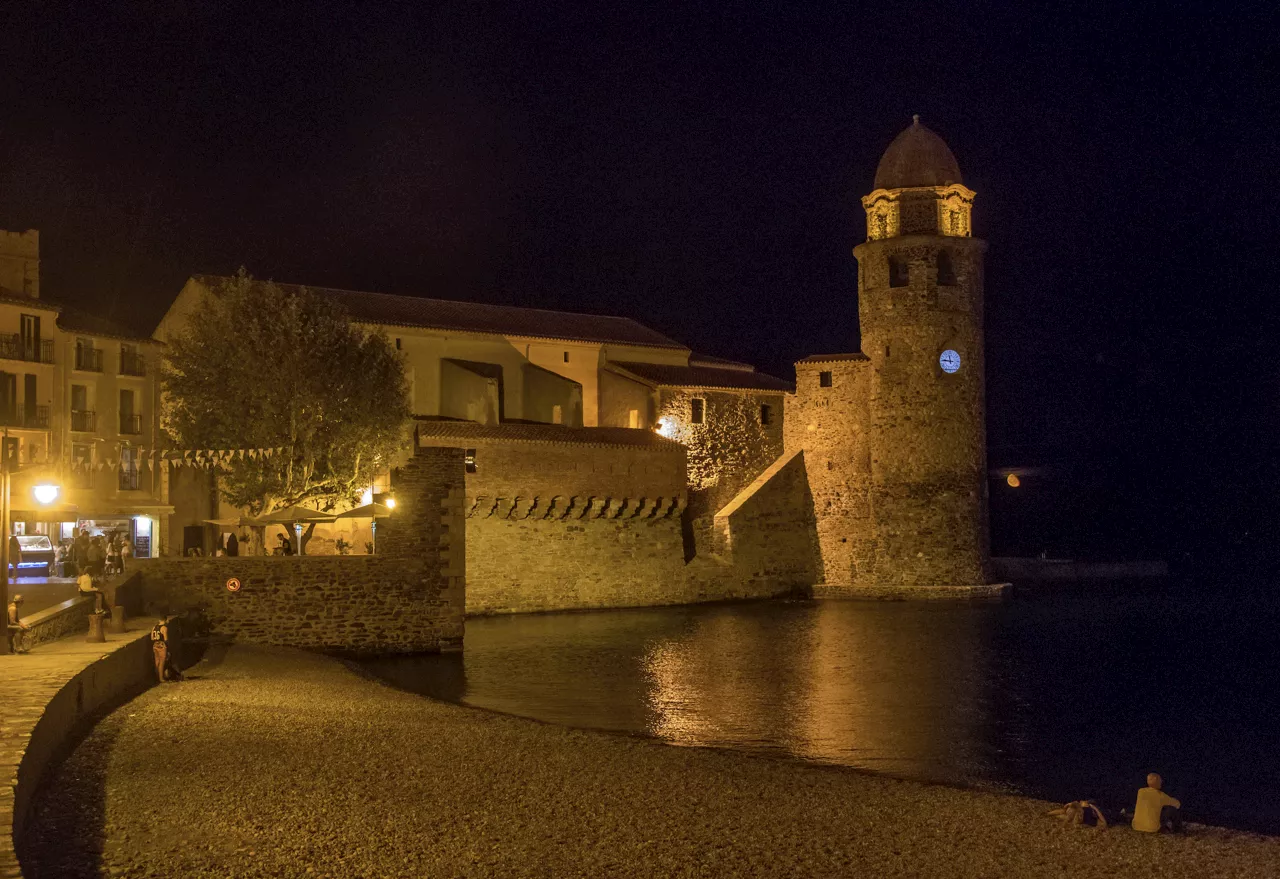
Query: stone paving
[[28, 683], [269, 762]]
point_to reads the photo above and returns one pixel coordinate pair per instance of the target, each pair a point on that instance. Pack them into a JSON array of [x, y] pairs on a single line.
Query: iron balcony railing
[[84, 420], [130, 425], [132, 364], [88, 359], [128, 478], [15, 347], [32, 419]]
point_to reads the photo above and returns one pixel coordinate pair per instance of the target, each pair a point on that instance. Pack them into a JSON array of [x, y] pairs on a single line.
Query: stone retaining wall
[[357, 604], [71, 617]]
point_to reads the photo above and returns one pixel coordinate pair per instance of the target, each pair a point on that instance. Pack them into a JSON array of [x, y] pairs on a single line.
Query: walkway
[[270, 762], [28, 684]]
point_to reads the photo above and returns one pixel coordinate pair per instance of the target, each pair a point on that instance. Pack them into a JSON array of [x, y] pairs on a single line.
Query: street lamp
[[44, 494]]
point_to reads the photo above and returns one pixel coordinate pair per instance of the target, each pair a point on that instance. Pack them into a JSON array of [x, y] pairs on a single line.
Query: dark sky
[[699, 167]]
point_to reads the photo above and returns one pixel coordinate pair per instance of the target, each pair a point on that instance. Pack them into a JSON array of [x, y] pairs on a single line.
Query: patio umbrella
[[234, 522], [368, 511], [295, 513]]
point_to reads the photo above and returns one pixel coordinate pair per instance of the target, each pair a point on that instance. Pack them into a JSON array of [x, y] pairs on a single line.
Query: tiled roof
[[474, 317], [833, 358], [10, 297], [433, 432], [665, 376], [73, 320], [719, 363]]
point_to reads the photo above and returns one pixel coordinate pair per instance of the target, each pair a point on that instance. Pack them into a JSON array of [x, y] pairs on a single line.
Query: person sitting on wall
[[286, 545], [86, 585], [1155, 809], [17, 629]]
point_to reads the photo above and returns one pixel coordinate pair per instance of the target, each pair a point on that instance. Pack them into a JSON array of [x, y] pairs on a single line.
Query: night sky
[[699, 167]]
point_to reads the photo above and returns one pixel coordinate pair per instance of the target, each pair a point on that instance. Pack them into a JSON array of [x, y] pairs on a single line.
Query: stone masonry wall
[[408, 598]]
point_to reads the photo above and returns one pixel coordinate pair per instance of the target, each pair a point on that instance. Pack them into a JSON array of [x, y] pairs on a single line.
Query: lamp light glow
[[1013, 480], [390, 503], [45, 493]]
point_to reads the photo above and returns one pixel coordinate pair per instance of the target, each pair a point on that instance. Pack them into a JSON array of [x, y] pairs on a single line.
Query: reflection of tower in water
[[895, 688]]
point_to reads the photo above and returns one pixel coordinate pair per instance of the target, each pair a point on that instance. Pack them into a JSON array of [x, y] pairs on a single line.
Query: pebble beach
[[278, 763]]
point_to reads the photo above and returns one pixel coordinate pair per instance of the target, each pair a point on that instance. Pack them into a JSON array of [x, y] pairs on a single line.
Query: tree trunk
[[306, 538], [257, 540]]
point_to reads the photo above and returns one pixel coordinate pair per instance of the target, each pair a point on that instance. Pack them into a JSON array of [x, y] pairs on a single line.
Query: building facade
[[78, 409]]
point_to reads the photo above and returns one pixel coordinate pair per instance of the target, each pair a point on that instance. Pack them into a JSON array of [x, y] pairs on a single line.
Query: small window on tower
[[766, 414], [633, 418], [566, 357], [397, 343], [697, 411], [557, 414], [824, 379], [897, 272], [946, 271], [470, 459]]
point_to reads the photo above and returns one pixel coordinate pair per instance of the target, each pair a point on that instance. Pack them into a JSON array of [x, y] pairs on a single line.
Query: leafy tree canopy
[[259, 367]]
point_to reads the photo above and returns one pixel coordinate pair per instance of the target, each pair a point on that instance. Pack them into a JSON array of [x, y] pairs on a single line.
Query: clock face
[[949, 361]]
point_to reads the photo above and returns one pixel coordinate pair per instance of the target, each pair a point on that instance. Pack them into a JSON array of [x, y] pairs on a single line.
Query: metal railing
[[15, 347], [35, 419], [132, 363], [128, 478], [88, 359], [130, 425], [84, 420]]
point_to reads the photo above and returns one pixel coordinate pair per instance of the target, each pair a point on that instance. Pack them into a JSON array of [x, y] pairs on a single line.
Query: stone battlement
[[566, 508]]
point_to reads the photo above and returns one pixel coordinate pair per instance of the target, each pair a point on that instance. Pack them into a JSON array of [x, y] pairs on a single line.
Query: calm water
[[1057, 697]]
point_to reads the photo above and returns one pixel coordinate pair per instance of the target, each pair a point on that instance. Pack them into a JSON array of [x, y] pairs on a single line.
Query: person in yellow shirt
[[1155, 808]]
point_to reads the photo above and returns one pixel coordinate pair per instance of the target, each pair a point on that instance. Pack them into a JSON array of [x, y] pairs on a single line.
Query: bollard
[[117, 620], [95, 628]]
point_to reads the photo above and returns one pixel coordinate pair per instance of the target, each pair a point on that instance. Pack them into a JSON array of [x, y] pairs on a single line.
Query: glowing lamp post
[[44, 494]]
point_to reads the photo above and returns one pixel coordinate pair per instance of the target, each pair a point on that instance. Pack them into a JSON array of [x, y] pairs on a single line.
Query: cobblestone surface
[[269, 762]]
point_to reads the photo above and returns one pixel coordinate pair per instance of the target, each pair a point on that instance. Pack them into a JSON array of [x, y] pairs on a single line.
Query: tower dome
[[917, 157]]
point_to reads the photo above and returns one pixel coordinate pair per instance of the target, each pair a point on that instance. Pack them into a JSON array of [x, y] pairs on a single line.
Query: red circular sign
[[233, 585]]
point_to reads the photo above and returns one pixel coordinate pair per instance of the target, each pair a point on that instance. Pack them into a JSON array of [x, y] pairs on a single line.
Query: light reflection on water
[[1059, 698]]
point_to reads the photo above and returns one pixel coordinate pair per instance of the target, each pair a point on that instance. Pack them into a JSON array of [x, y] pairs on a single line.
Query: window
[[470, 460], [557, 414], [130, 421], [566, 357], [397, 343], [633, 418], [82, 417], [82, 465], [766, 414], [31, 341], [824, 379], [131, 361], [897, 272], [128, 469], [946, 271], [8, 398], [697, 411]]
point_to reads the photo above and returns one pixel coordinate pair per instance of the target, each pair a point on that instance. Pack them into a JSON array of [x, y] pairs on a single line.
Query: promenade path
[[28, 682], [271, 762]]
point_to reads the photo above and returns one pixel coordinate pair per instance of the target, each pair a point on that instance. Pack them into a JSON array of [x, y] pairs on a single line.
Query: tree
[[258, 367]]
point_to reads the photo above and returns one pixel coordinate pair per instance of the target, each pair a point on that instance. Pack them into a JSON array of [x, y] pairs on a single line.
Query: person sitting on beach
[[86, 586], [1156, 809], [17, 629]]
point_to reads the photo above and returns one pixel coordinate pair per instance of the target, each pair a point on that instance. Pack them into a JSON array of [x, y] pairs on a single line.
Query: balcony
[[88, 359], [32, 419], [130, 425], [132, 364], [15, 347], [128, 478], [84, 421]]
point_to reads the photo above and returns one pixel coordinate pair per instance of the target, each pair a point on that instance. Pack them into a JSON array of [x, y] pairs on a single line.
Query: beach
[[274, 763]]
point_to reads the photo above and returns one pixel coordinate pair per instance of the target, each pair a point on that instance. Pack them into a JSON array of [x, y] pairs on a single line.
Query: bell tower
[[920, 307]]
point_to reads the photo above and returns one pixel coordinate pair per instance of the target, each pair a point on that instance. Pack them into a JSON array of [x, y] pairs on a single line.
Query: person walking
[[15, 557], [96, 557], [113, 556]]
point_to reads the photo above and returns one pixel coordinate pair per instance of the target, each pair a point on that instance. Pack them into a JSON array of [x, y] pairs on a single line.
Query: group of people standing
[[101, 556]]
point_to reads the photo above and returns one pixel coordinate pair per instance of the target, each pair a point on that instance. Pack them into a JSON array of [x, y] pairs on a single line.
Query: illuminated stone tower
[[920, 308]]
